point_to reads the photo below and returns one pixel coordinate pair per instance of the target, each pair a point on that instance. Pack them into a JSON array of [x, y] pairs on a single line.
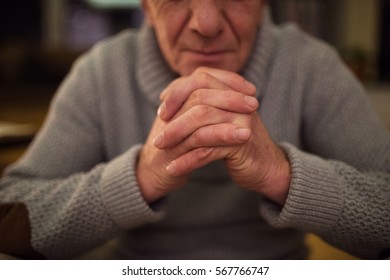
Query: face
[[213, 33]]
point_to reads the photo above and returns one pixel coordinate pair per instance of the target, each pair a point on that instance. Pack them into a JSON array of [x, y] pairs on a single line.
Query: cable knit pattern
[[78, 178]]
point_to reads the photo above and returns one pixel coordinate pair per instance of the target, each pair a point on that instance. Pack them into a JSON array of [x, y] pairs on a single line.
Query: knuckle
[[230, 98], [244, 120], [202, 79], [171, 88], [196, 158], [224, 137], [197, 139], [196, 97], [203, 112], [202, 153], [201, 69], [215, 135], [172, 93], [220, 138], [187, 163]]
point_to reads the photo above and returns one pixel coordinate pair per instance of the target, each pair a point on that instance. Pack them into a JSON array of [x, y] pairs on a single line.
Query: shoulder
[[102, 68], [123, 41], [295, 45], [113, 52], [307, 59]]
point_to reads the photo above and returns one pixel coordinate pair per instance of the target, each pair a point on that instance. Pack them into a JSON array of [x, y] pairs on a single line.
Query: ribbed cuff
[[121, 193], [315, 199]]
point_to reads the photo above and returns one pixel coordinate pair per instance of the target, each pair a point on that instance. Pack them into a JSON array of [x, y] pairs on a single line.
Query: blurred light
[[114, 3]]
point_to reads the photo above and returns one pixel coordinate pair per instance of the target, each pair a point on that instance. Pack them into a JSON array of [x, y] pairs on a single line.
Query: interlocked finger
[[195, 118], [180, 90]]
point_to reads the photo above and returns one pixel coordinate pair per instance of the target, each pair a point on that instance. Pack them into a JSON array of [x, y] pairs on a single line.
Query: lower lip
[[209, 57]]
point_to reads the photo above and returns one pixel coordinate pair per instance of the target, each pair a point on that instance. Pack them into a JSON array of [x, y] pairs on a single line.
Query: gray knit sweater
[[78, 180]]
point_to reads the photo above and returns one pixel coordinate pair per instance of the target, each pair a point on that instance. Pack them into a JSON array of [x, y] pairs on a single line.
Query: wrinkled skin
[[210, 112]]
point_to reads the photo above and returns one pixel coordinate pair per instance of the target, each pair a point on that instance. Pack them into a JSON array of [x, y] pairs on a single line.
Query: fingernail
[[158, 140], [243, 134], [251, 87], [171, 168], [251, 101], [161, 110]]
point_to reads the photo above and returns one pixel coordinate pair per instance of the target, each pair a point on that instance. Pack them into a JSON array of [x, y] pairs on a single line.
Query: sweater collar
[[154, 74]]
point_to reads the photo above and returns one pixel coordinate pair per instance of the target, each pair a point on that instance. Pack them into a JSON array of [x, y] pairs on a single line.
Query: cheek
[[169, 30], [171, 23], [245, 30], [245, 19], [167, 42]]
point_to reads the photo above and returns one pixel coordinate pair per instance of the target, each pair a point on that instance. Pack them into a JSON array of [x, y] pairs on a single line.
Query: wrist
[[279, 184], [147, 188]]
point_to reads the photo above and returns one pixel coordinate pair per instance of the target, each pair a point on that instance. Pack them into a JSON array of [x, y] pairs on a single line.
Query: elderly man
[[210, 133]]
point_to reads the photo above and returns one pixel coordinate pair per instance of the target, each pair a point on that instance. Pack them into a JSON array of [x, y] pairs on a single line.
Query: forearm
[[61, 213], [332, 199], [68, 216]]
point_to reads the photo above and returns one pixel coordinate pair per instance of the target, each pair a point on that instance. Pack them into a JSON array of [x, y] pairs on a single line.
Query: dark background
[[26, 59]]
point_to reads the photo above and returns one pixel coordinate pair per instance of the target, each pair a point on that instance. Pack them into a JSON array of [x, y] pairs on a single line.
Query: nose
[[207, 17]]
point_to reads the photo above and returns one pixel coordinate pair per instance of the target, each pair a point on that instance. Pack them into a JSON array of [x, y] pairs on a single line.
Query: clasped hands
[[207, 116]]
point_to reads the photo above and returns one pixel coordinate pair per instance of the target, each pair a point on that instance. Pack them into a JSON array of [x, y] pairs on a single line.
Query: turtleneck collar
[[154, 74]]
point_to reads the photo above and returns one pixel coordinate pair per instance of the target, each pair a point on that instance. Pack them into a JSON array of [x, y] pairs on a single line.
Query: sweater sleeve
[[346, 207], [340, 188], [72, 198]]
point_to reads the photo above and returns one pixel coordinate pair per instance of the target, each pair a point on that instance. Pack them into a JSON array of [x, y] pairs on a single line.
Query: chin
[[190, 68]]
